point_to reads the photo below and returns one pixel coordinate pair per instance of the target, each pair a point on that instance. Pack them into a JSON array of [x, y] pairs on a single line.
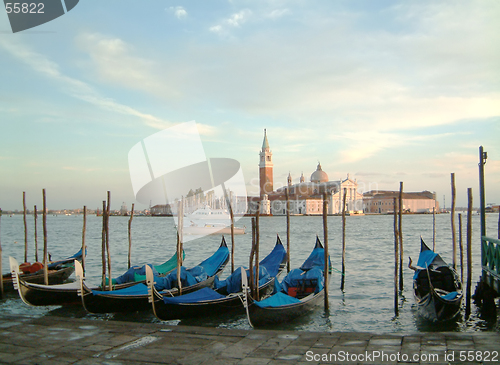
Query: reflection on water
[[366, 304]]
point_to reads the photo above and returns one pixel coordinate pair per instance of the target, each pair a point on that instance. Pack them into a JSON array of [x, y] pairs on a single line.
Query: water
[[365, 305]]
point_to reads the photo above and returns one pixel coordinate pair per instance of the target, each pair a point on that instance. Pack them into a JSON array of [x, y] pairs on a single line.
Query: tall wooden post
[[130, 237], [287, 197], [231, 216], [400, 232], [396, 257], [325, 243], [250, 264], [434, 229], [25, 229], [469, 254], [84, 231], [103, 245], [180, 224], [257, 244], [1, 281], [36, 234], [45, 252], [482, 161], [460, 244], [108, 214], [453, 228], [342, 279]]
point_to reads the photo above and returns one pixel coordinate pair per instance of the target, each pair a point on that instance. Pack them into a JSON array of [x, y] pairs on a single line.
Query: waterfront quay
[[62, 340]]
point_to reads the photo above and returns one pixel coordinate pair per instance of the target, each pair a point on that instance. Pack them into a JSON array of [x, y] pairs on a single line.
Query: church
[[305, 198]]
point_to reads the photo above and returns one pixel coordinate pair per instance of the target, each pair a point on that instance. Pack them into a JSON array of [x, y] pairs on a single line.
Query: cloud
[[179, 11], [277, 13], [75, 87], [233, 21]]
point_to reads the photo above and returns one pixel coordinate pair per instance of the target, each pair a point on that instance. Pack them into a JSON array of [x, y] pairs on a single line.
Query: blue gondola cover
[[138, 289], [277, 300], [194, 297]]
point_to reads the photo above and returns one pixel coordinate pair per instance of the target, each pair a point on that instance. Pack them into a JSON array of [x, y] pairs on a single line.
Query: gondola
[[136, 274], [66, 293], [301, 291], [135, 298], [58, 272], [436, 286], [227, 295]]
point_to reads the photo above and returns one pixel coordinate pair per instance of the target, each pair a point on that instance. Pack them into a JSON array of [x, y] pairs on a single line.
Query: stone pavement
[[62, 340]]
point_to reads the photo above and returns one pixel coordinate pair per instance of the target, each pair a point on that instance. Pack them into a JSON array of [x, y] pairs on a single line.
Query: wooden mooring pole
[[469, 254], [180, 224], [108, 213], [287, 197], [36, 234], [453, 228], [257, 248], [45, 252], [25, 229], [325, 244], [103, 246], [1, 281], [250, 264], [400, 233], [342, 279], [130, 236], [461, 246], [396, 257], [434, 229], [84, 232]]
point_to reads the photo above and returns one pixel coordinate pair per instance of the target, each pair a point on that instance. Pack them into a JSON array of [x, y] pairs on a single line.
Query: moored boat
[[300, 292], [436, 286], [226, 296], [58, 272], [135, 297]]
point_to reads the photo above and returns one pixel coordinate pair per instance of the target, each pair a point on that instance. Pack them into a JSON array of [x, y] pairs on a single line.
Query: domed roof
[[319, 176]]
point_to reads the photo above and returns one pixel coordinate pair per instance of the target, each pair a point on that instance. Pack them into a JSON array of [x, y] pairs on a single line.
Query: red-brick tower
[[265, 168]]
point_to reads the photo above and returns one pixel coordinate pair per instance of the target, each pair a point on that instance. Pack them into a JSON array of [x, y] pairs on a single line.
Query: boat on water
[[67, 293], [135, 297], [226, 296], [58, 272], [299, 293], [436, 286]]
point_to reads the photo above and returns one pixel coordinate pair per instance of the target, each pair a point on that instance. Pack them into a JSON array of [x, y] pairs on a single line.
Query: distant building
[[161, 210], [380, 201], [304, 197]]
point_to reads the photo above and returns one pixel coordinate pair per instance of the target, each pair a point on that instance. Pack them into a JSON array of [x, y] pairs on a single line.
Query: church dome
[[319, 176]]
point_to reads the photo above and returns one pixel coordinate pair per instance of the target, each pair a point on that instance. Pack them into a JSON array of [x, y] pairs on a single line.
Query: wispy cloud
[[235, 20], [178, 11], [75, 87]]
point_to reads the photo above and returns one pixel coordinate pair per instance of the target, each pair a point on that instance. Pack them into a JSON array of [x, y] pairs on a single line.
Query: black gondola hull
[[269, 316], [55, 277]]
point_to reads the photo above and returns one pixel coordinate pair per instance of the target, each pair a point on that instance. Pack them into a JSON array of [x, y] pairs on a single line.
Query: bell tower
[[265, 168]]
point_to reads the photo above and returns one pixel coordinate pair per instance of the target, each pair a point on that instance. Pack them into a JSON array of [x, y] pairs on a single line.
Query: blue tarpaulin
[[450, 296], [233, 282], [277, 300], [297, 278], [194, 297], [138, 289], [272, 262], [425, 260], [130, 275]]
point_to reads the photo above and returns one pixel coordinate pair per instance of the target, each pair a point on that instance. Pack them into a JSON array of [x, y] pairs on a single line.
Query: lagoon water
[[365, 305]]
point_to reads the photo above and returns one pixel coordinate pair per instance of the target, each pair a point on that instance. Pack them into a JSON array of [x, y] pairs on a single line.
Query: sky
[[384, 91]]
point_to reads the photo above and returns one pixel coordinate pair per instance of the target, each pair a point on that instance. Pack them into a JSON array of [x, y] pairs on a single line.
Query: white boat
[[211, 228], [208, 214]]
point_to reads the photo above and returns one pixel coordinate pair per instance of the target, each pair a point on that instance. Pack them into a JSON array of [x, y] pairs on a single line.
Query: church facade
[[304, 198]]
